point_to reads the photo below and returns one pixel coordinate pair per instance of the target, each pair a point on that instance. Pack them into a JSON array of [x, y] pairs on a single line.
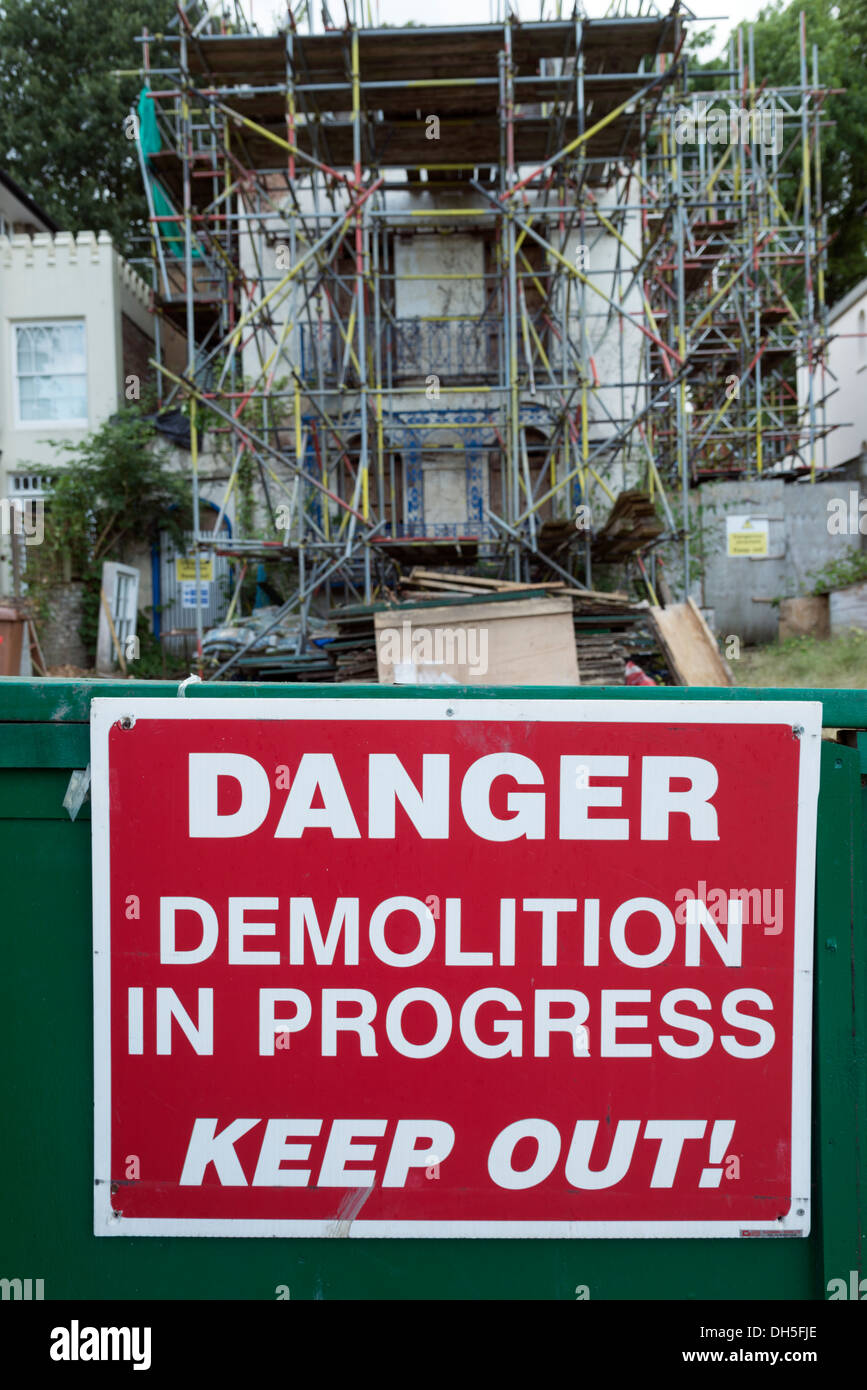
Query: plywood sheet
[[525, 642], [689, 645]]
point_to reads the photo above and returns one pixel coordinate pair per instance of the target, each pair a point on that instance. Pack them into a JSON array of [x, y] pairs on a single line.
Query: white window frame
[[21, 424]]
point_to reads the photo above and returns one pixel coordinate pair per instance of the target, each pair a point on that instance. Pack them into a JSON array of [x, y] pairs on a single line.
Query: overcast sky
[[722, 15]]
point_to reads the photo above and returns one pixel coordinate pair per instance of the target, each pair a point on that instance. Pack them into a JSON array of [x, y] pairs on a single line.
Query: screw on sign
[[295, 1036]]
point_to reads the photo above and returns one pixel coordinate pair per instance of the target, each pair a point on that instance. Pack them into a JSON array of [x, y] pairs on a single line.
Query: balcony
[[456, 349], [453, 350]]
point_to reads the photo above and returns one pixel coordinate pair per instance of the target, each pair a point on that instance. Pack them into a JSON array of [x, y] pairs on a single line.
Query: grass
[[801, 663]]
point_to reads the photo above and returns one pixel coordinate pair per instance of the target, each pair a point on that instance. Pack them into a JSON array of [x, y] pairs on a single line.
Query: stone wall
[[59, 636]]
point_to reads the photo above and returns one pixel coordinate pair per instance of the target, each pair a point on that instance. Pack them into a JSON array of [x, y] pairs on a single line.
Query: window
[[51, 373]]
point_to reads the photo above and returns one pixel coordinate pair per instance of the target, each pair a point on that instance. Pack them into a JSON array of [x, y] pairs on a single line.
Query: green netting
[[172, 233]]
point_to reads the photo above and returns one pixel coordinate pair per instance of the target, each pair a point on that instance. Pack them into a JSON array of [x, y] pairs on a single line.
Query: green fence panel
[[46, 1162]]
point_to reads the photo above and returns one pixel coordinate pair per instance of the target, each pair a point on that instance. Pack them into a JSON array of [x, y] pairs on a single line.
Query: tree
[[839, 31], [63, 108], [114, 497]]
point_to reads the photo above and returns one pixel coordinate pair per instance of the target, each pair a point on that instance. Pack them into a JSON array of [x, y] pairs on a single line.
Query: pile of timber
[[601, 659], [593, 603], [631, 525], [358, 667], [442, 599], [422, 584], [608, 627], [673, 644], [354, 647], [558, 538]]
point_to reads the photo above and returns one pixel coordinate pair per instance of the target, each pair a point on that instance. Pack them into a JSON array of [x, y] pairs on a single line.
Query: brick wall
[[136, 347]]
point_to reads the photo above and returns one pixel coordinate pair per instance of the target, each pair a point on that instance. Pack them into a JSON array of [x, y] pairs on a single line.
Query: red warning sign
[[494, 967]]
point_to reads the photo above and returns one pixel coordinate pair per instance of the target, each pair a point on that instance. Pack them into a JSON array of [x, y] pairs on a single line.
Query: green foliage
[[62, 114], [698, 41], [245, 502], [806, 663], [839, 31], [88, 628], [281, 579], [840, 34], [115, 492], [115, 496], [851, 569], [153, 661], [279, 417]]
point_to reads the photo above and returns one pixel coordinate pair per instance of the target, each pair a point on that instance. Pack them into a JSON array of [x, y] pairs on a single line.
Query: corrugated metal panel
[[178, 617]]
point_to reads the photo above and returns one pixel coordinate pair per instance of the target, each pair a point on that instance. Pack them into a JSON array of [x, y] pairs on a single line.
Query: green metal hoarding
[[47, 1153]]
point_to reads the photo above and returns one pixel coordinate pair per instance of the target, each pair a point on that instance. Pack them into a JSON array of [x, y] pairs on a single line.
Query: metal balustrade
[[451, 349]]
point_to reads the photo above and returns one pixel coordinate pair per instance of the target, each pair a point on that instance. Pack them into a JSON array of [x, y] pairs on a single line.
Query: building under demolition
[[493, 297]]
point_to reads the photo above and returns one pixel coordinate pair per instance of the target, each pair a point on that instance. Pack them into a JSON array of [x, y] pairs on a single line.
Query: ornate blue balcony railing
[[470, 529], [456, 349]]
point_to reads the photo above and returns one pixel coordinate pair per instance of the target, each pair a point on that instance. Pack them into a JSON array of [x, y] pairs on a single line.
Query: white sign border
[[807, 714]]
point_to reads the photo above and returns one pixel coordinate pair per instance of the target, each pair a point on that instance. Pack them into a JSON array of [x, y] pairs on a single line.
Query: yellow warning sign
[[185, 569], [747, 535], [748, 543]]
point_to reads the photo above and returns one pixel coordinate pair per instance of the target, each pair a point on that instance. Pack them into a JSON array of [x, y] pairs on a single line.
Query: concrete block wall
[[737, 590]]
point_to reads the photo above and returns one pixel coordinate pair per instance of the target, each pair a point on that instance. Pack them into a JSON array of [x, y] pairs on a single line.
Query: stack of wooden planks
[[472, 629], [354, 647], [631, 524], [601, 659], [558, 538], [592, 603], [427, 584], [357, 666], [606, 626]]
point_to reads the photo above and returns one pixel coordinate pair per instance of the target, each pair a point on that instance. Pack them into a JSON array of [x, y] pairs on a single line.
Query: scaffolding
[[635, 250]]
